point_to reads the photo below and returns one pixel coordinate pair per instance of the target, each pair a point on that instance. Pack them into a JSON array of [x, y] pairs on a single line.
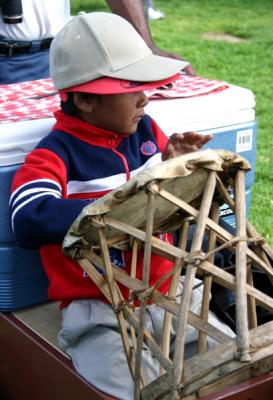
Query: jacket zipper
[[124, 162]]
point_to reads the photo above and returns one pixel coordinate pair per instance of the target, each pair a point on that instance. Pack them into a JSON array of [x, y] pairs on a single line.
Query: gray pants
[[90, 336]]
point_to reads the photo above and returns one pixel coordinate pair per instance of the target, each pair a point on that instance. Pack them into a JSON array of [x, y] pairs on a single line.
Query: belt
[[11, 48]]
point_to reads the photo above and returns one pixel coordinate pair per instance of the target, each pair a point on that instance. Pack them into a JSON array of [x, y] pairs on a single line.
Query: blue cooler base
[[23, 281]]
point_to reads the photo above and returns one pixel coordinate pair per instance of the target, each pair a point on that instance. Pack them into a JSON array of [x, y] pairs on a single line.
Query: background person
[[151, 11], [24, 45]]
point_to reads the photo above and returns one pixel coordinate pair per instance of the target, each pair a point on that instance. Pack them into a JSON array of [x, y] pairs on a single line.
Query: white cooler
[[228, 115]]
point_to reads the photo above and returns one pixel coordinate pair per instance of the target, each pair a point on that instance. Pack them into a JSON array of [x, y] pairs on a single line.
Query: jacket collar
[[85, 131]]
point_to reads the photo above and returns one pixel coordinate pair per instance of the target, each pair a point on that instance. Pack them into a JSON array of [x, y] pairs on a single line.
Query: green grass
[[248, 64]]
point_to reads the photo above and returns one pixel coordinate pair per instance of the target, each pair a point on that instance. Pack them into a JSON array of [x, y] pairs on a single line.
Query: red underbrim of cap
[[115, 86]]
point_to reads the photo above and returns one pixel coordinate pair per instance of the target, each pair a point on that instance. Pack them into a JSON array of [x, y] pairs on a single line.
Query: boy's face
[[119, 113]]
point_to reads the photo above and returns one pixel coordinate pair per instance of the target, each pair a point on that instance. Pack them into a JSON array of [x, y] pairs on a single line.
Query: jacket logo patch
[[148, 148]]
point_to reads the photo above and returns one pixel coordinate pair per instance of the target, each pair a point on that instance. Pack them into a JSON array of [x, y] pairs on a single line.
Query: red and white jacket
[[76, 163]]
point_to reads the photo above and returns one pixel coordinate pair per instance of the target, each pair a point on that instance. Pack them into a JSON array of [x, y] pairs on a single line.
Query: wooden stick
[[251, 301], [267, 249], [101, 282], [218, 364], [213, 381], [208, 279], [198, 237], [149, 340], [262, 249], [250, 229], [228, 280], [132, 330], [145, 279], [241, 266], [173, 289], [129, 315], [115, 298]]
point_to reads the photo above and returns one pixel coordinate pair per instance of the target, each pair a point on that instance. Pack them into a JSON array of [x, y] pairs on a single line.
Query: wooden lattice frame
[[233, 359]]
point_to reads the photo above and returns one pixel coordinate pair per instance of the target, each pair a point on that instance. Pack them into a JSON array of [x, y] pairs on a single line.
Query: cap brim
[[150, 68], [116, 86]]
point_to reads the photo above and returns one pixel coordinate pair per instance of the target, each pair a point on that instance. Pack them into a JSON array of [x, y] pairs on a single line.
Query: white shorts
[[90, 336]]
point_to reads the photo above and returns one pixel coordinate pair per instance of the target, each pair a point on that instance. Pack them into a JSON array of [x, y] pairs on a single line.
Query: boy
[[102, 137]]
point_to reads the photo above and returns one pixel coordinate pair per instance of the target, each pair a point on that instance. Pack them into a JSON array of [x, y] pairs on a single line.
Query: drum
[[185, 191]]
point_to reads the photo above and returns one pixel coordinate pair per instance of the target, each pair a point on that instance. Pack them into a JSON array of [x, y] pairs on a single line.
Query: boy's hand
[[181, 143]]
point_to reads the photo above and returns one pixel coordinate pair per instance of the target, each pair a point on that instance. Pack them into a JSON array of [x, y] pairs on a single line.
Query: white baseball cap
[[102, 53]]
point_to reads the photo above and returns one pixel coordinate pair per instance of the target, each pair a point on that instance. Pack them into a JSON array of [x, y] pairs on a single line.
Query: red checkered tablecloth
[[188, 86], [38, 99], [28, 101]]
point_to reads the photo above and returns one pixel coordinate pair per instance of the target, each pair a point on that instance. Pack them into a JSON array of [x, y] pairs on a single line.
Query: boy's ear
[[83, 102]]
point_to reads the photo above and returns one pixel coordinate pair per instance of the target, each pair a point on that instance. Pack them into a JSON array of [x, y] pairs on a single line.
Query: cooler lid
[[17, 139], [231, 106], [205, 104]]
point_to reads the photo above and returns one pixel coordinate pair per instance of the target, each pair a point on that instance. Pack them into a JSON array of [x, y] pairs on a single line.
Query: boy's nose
[[143, 100]]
